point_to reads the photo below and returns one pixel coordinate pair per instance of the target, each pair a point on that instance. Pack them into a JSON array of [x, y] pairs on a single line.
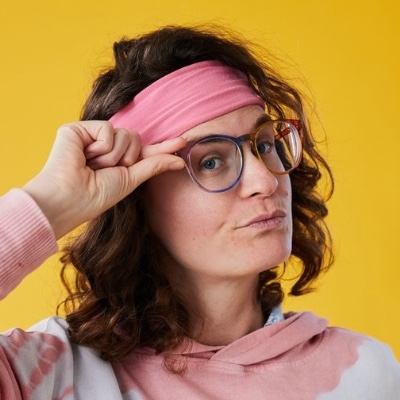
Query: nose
[[256, 178]]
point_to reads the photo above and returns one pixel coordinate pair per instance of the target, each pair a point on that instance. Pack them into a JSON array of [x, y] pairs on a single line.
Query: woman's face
[[240, 232]]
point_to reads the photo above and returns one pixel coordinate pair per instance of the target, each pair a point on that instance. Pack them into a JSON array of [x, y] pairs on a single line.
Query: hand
[[91, 167]]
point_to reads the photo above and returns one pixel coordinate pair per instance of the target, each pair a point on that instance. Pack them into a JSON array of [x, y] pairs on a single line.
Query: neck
[[221, 311]]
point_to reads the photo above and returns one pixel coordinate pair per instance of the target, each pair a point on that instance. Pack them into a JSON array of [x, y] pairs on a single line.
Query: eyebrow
[[260, 120]]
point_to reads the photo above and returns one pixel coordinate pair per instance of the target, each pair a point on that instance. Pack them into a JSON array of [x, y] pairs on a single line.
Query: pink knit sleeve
[[26, 238]]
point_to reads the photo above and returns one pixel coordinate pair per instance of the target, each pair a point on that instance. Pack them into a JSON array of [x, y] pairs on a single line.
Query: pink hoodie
[[297, 358]]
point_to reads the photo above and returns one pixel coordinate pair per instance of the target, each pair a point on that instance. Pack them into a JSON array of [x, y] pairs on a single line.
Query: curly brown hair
[[120, 299]]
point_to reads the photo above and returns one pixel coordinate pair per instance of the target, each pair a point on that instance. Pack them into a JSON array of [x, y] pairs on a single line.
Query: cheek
[[162, 203], [176, 208], [285, 187]]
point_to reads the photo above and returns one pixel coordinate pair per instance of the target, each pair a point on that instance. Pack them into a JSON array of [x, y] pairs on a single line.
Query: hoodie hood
[[283, 339]]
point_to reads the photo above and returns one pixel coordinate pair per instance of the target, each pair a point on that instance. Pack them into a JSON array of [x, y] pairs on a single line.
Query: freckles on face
[[206, 233], [227, 233], [182, 215]]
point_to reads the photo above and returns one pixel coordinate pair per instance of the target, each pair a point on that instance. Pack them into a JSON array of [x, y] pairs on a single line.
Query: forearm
[[26, 239], [91, 167]]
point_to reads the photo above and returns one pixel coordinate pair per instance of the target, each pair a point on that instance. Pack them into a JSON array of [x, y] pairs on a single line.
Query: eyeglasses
[[216, 162]]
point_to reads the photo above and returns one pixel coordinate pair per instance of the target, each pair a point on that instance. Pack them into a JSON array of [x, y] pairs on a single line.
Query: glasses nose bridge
[[253, 144]]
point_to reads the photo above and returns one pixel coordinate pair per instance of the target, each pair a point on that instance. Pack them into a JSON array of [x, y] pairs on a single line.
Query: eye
[[264, 147], [211, 163]]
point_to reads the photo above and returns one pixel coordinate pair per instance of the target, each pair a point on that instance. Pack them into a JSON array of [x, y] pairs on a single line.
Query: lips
[[265, 218]]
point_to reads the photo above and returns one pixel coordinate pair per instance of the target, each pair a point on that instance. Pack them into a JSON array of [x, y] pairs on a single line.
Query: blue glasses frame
[[294, 128]]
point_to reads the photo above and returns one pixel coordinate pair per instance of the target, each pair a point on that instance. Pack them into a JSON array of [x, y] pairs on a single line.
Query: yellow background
[[344, 53]]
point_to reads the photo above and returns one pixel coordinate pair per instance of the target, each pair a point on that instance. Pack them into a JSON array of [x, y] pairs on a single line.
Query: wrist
[[52, 205]]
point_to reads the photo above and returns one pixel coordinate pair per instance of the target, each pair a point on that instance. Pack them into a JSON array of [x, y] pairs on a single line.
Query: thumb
[[152, 166]]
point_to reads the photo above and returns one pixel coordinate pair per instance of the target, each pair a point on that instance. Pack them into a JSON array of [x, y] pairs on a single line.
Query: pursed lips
[[275, 216]]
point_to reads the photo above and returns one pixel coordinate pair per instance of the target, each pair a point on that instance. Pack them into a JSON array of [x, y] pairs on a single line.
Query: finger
[[103, 136], [125, 146], [152, 166], [131, 154], [68, 147], [90, 132], [168, 147]]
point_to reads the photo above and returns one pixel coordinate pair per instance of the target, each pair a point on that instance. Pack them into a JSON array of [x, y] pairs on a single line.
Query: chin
[[274, 258]]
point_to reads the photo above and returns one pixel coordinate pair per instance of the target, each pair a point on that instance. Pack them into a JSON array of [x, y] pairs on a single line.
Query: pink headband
[[184, 99]]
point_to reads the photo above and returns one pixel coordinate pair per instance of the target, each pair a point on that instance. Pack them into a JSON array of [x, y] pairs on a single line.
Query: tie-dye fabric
[[297, 358]]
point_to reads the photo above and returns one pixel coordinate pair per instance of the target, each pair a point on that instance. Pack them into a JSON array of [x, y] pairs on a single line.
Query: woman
[[202, 183]]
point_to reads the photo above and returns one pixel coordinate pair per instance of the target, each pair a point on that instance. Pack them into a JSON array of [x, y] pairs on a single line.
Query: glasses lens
[[279, 146], [215, 163]]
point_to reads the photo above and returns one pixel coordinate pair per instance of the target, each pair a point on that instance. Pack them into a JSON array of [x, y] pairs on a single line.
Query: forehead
[[236, 123]]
